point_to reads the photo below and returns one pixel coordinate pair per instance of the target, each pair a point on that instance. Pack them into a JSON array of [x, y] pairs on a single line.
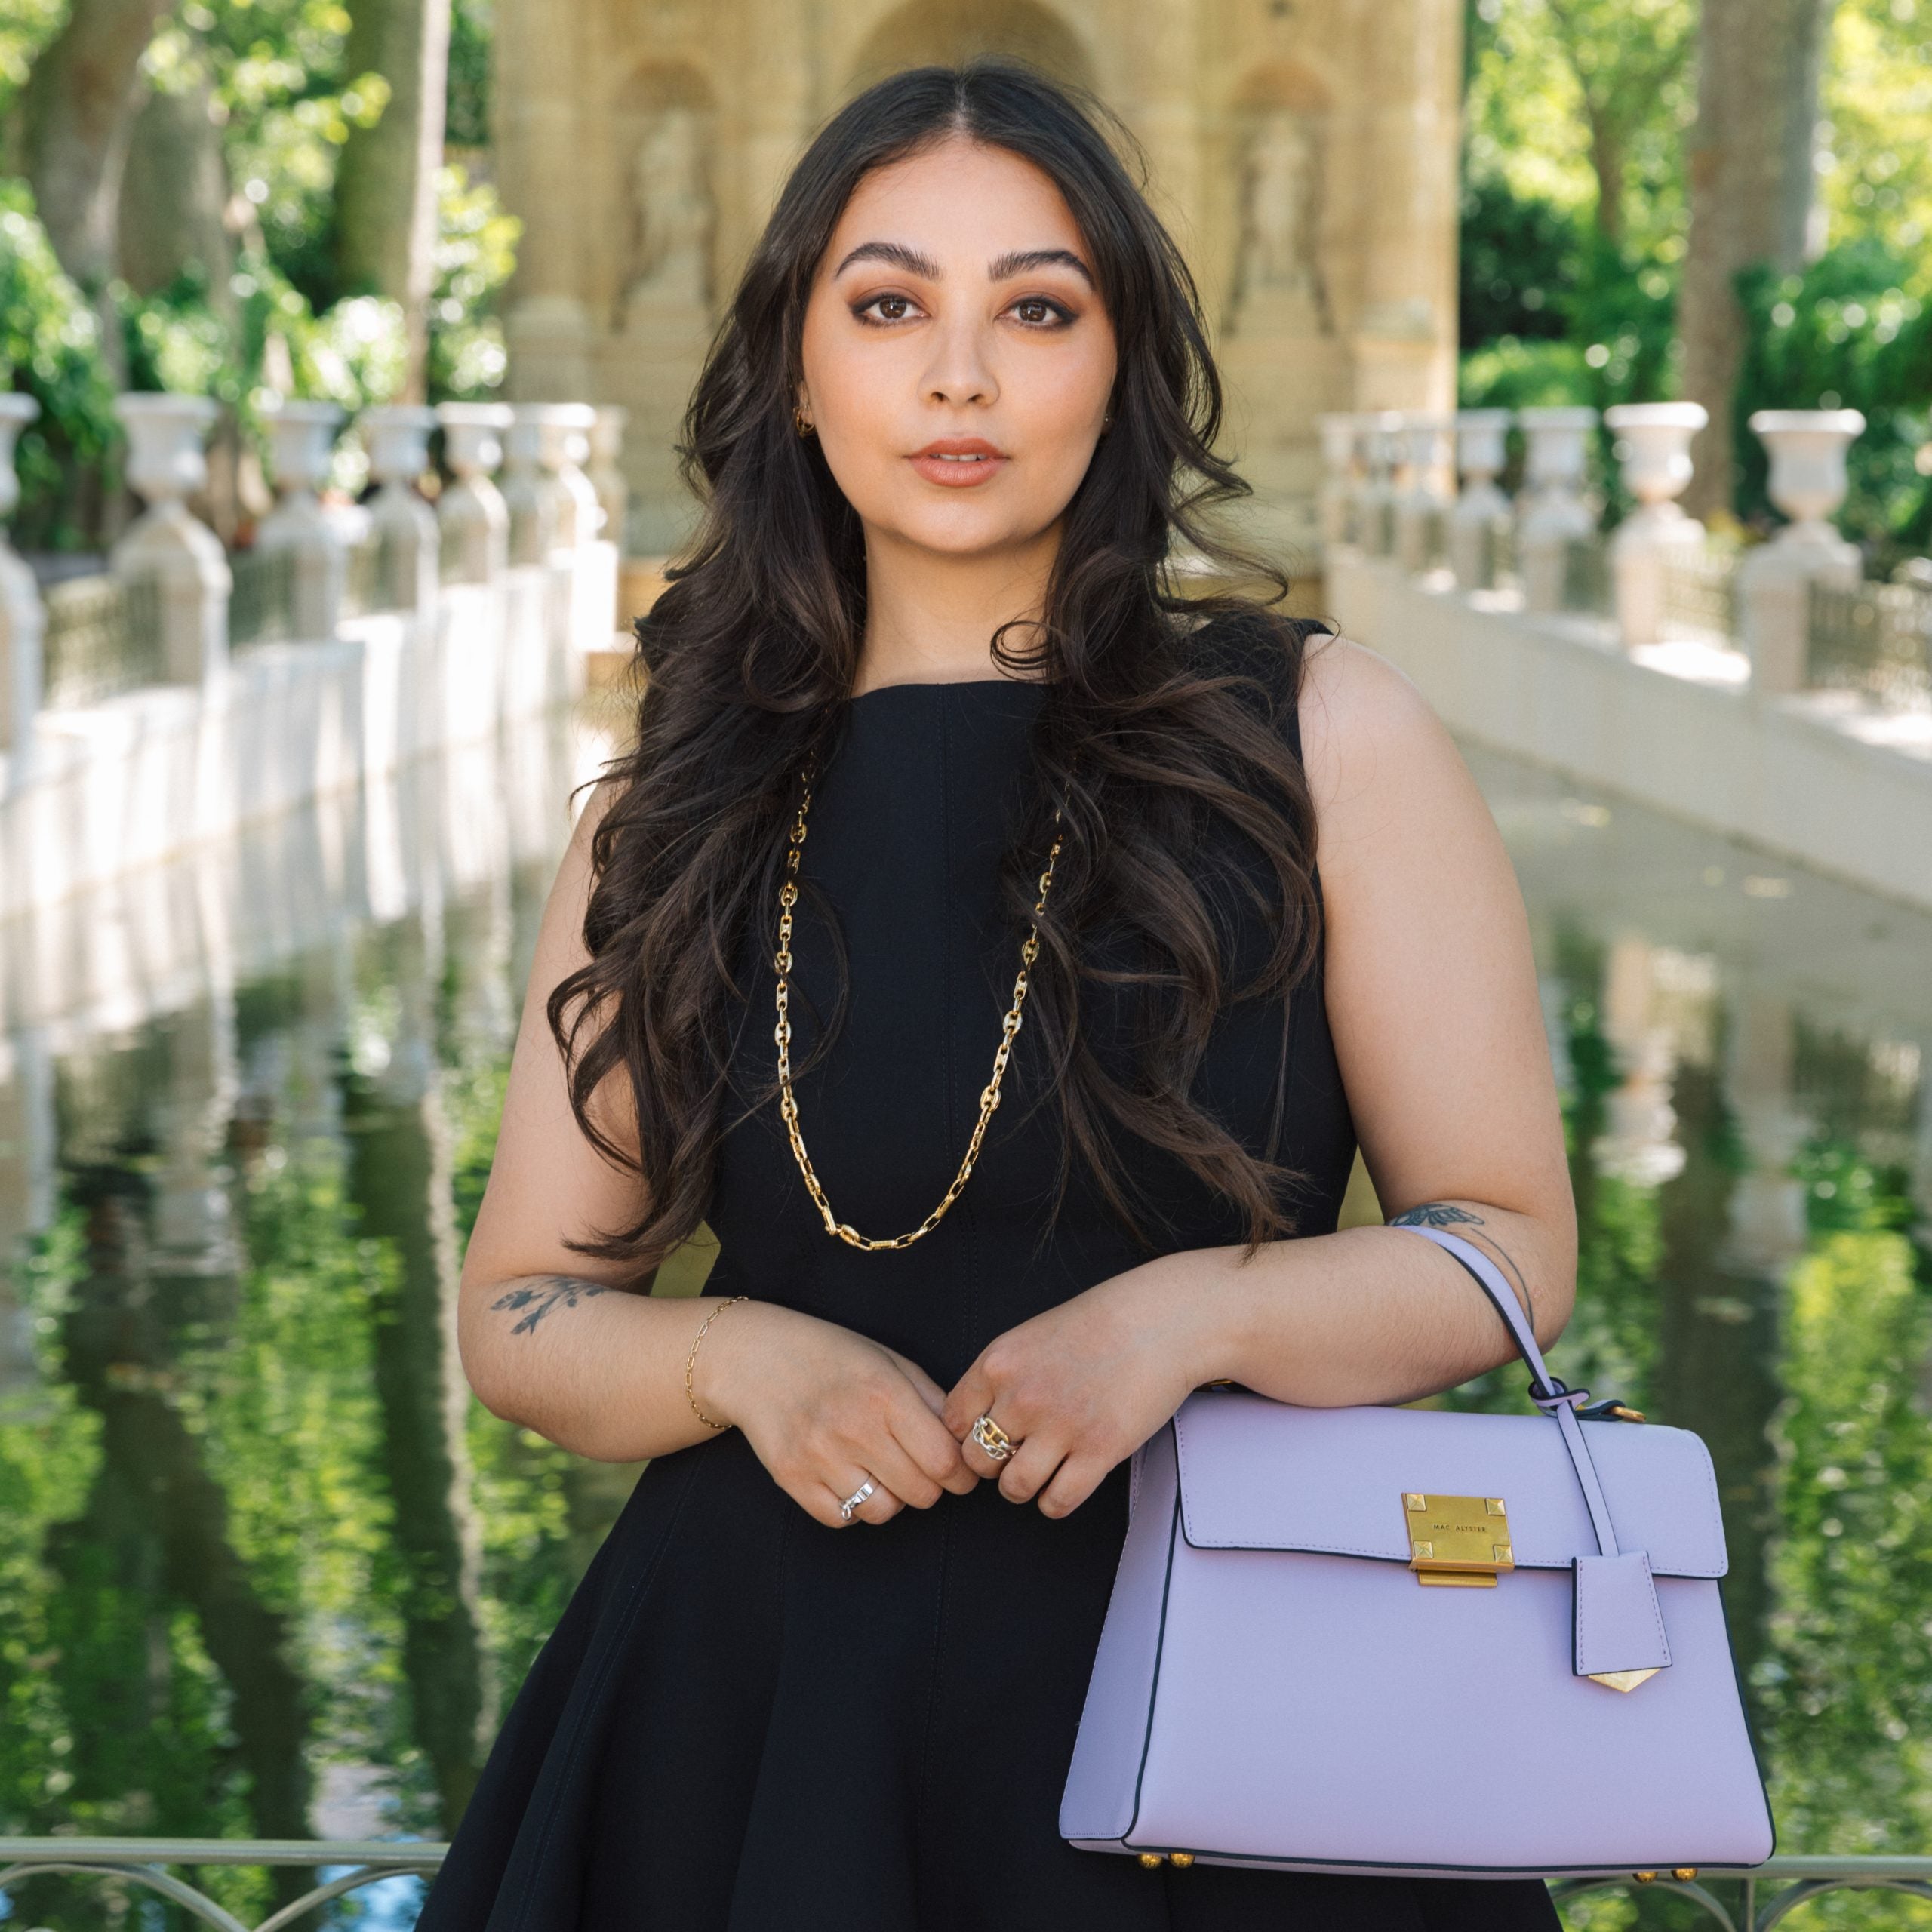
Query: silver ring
[[849, 1508]]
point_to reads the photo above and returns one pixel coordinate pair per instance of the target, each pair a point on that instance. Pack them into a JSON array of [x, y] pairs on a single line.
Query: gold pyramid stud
[[1622, 1680]]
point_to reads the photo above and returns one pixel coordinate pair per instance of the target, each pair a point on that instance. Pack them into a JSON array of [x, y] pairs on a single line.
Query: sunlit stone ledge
[[1818, 777]]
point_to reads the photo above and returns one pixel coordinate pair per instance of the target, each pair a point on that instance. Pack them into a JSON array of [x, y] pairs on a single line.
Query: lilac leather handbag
[[1278, 1685]]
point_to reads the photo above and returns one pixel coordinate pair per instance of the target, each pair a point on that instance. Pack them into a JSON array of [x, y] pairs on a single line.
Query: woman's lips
[[958, 463]]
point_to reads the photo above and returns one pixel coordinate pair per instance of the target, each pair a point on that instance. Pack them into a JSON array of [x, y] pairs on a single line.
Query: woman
[[826, 1670]]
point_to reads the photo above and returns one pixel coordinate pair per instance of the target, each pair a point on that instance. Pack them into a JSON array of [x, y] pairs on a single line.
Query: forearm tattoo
[[542, 1293], [1446, 1214]]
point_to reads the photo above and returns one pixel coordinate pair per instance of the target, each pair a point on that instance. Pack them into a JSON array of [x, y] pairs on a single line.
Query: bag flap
[[1261, 1475]]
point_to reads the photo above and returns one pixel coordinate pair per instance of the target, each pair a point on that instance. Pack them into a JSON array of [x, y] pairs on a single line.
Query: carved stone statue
[[1279, 278], [671, 215]]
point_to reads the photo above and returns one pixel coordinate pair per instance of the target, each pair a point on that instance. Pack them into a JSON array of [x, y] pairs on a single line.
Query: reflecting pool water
[[267, 1570]]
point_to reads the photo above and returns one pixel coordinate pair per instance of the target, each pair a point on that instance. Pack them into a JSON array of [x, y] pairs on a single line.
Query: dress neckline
[[948, 684]]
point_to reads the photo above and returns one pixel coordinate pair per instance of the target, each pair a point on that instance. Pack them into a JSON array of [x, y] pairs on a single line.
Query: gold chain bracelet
[[989, 1094], [690, 1361]]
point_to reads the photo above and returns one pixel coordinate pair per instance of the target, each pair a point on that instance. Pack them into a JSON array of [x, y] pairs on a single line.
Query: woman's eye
[[891, 308], [1037, 312]]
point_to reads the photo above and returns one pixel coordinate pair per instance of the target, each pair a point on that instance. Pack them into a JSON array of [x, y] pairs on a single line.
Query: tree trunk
[[174, 197], [1751, 184], [75, 114], [385, 183], [1606, 163]]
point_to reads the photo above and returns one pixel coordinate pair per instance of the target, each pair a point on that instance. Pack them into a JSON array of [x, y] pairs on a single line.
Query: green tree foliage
[[49, 346], [1852, 332], [277, 70], [1560, 304]]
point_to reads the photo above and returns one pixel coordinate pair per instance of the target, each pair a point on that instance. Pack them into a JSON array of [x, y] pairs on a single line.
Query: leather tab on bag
[[1617, 1630]]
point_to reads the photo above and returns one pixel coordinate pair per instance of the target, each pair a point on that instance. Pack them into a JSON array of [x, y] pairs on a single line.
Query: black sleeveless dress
[[746, 1722]]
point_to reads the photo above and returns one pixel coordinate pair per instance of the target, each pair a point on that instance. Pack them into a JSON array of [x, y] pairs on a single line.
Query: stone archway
[[923, 32]]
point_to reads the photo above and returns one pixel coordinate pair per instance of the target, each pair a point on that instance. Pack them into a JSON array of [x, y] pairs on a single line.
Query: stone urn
[[1381, 433], [1418, 514], [1808, 449], [563, 449], [16, 411], [1556, 511], [1653, 449], [316, 534], [1339, 439], [23, 618], [605, 470], [475, 521], [167, 546], [404, 526], [1480, 521]]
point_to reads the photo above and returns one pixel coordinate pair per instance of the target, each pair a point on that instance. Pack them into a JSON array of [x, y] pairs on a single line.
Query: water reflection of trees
[[1769, 1295], [257, 1544]]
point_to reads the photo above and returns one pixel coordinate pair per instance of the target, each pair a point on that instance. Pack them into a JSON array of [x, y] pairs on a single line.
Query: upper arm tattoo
[[1446, 1214], [542, 1293], [1435, 1214]]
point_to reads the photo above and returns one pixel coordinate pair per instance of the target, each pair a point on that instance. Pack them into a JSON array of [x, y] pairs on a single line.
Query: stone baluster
[[1808, 482], [22, 617], [404, 525], [564, 432], [1480, 517], [1556, 511], [474, 520], [1340, 445], [316, 535], [1382, 438], [166, 546], [531, 504], [1653, 448], [606, 475], [1419, 513]]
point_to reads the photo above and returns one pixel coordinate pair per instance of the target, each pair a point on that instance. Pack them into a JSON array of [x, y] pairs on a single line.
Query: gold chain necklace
[[988, 1095]]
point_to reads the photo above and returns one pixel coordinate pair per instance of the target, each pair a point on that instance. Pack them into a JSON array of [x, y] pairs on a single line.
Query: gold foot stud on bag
[[1622, 1680]]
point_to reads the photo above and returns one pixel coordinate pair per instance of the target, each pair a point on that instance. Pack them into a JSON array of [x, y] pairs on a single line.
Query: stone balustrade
[[351, 609], [1762, 688], [1390, 490]]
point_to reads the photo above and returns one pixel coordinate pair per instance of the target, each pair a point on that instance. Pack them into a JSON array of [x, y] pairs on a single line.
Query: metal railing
[[1796, 1881], [1586, 576], [102, 637], [144, 1862], [1700, 592], [261, 606], [1766, 1896], [1876, 640]]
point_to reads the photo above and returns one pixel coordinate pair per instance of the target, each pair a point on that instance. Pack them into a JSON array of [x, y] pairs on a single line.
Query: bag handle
[[1556, 1399]]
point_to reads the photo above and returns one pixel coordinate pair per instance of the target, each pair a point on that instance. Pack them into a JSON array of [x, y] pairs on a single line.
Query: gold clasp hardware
[[1461, 1541]]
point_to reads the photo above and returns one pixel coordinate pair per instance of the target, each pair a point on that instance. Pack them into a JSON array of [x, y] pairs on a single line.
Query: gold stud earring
[[800, 421], [1106, 422]]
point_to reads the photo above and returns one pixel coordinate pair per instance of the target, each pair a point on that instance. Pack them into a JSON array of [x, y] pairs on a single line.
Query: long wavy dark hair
[[750, 653]]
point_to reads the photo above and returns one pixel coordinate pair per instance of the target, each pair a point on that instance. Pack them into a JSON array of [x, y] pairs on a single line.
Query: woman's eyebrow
[[1016, 261], [897, 254], [1020, 259]]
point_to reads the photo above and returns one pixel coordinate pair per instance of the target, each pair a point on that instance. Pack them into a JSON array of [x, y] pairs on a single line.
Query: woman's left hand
[[1079, 1388]]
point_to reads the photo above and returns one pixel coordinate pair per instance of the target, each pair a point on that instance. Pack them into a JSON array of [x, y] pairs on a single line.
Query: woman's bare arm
[[550, 1340], [1431, 1001], [548, 1337]]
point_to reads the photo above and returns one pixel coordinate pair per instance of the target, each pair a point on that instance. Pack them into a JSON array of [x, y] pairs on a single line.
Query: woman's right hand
[[826, 1410]]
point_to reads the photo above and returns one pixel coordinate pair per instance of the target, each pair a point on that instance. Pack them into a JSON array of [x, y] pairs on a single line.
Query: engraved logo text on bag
[[1457, 1540]]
